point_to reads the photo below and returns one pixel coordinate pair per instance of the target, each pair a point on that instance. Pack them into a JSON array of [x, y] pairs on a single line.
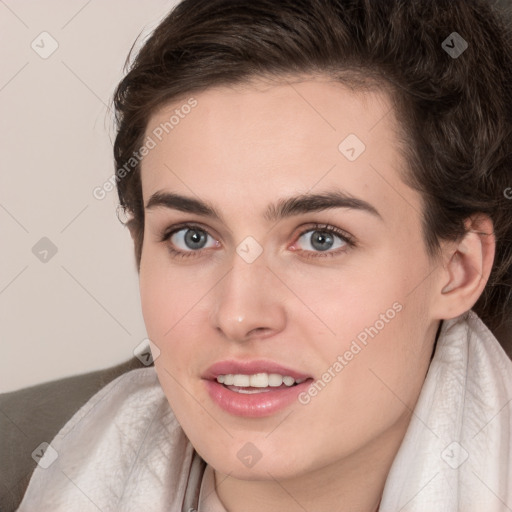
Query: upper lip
[[250, 368]]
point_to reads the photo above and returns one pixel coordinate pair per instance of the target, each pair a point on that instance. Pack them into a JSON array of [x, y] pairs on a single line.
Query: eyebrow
[[284, 208]]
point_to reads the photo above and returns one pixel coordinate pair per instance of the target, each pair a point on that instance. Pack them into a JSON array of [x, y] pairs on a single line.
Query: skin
[[240, 149]]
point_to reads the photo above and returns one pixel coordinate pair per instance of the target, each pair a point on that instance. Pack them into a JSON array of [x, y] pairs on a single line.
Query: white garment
[[125, 451]]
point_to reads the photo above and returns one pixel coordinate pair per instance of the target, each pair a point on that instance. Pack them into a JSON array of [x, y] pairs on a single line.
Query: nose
[[248, 302]]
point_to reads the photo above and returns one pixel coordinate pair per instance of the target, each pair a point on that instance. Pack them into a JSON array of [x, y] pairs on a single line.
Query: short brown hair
[[456, 109]]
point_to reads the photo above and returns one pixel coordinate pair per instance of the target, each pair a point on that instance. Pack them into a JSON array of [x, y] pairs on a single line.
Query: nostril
[[258, 329]]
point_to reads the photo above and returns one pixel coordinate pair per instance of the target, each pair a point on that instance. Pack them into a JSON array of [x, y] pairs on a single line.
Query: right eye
[[189, 239]]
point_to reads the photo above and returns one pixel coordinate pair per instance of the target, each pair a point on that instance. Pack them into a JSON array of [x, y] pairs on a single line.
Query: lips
[[253, 402]]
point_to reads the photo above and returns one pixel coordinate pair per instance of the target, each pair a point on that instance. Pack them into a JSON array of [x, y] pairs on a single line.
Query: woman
[[317, 194]]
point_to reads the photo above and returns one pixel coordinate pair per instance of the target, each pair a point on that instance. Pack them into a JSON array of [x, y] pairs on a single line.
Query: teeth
[[289, 381], [258, 380], [275, 380], [241, 380]]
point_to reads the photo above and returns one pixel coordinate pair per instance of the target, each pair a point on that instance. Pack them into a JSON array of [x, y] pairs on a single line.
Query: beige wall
[[78, 311]]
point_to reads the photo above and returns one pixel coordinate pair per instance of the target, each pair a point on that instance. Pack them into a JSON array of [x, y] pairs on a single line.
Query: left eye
[[322, 240], [192, 238]]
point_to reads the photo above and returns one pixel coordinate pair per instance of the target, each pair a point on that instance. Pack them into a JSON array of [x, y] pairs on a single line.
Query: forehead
[[260, 139]]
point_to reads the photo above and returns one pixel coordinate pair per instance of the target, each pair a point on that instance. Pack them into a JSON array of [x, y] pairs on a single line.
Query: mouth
[[254, 389]]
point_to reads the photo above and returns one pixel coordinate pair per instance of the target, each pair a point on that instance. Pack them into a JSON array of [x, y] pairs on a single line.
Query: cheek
[[166, 307], [156, 302], [342, 302], [375, 317], [168, 295], [367, 386], [173, 307]]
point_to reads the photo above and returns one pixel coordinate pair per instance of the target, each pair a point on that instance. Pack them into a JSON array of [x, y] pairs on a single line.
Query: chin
[[248, 460]]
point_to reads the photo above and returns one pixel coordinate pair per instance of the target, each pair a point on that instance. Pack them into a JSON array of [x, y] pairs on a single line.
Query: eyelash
[[324, 228]]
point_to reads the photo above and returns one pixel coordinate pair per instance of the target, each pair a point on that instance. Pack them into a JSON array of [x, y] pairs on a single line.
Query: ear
[[467, 265]]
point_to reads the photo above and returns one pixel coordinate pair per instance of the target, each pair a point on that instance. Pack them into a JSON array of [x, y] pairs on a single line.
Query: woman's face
[[265, 287]]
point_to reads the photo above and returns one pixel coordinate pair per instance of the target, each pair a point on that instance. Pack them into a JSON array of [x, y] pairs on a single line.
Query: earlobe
[[467, 268]]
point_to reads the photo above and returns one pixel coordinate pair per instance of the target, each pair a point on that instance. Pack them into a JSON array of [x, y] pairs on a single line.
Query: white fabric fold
[[122, 451], [457, 451], [125, 451]]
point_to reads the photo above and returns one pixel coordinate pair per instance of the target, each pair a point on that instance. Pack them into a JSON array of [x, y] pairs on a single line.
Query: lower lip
[[255, 405]]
